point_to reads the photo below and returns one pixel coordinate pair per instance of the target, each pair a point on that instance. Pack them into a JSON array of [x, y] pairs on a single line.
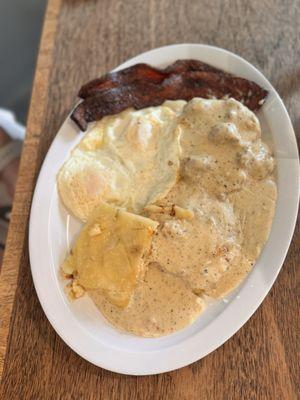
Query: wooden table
[[82, 39]]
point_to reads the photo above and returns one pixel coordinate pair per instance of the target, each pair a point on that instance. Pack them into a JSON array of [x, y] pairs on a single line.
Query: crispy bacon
[[142, 72], [142, 86], [138, 72]]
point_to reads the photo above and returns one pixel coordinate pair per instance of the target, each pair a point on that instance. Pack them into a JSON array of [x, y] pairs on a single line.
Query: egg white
[[130, 160]]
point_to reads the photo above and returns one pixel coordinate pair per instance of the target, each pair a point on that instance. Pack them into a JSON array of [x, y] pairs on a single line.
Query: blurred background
[[20, 26]]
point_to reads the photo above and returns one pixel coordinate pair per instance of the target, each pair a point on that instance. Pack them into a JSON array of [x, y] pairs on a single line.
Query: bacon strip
[[143, 86], [142, 72]]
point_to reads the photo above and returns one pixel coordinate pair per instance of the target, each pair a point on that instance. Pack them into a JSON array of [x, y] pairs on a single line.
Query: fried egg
[[129, 160]]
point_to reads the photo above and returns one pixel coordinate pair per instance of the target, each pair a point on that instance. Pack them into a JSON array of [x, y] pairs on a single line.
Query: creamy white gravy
[[226, 182], [162, 303]]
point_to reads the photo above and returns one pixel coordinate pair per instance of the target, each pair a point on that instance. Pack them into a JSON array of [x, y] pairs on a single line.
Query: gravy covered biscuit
[[227, 182]]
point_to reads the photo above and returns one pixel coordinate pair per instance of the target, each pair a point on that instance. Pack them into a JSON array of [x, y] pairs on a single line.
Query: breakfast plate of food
[[164, 209]]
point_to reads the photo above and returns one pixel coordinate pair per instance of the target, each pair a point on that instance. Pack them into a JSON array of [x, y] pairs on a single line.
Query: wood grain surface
[[82, 39]]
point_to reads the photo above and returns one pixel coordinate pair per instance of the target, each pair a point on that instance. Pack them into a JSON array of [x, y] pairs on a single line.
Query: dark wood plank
[[83, 39]]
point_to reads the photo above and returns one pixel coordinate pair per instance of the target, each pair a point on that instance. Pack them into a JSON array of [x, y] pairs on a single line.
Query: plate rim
[[148, 367]]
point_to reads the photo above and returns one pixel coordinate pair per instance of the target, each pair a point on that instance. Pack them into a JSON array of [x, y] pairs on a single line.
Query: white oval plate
[[52, 229]]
